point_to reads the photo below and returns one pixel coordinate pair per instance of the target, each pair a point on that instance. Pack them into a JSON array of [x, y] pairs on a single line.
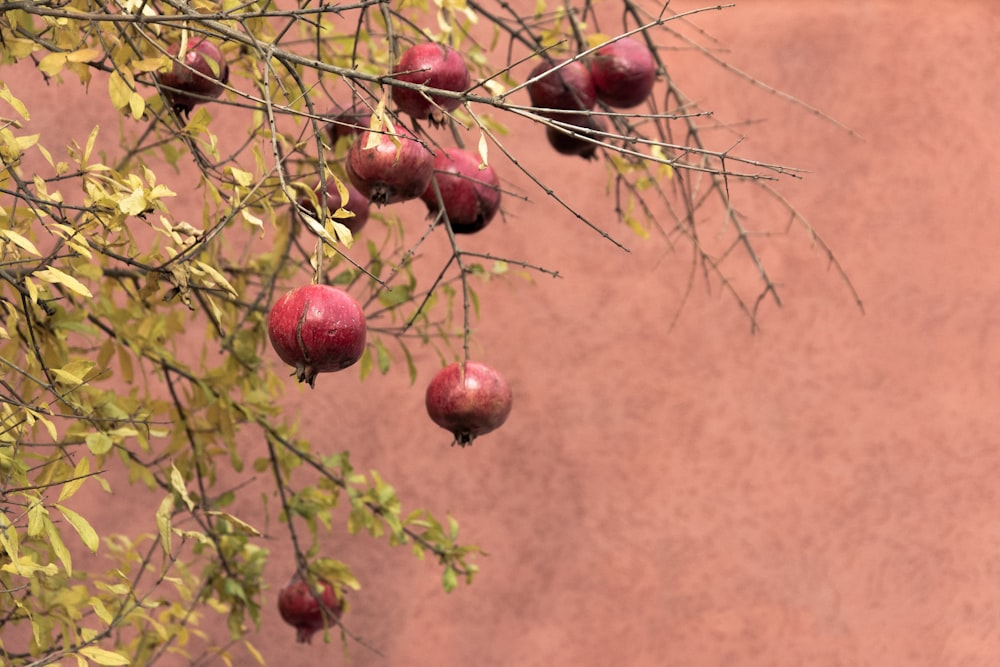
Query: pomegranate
[[317, 329], [571, 87], [624, 72], [469, 399], [567, 144], [434, 65], [387, 173], [199, 78], [471, 196], [357, 204], [348, 122], [306, 612]]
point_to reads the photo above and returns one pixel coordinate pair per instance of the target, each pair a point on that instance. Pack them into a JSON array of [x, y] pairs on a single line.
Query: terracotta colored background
[[822, 493]]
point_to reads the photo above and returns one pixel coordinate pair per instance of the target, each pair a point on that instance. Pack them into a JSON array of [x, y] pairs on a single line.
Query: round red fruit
[[433, 65], [571, 87], [391, 170], [471, 195], [201, 75], [624, 72], [468, 399], [570, 144], [357, 204], [317, 329], [306, 611], [348, 122]]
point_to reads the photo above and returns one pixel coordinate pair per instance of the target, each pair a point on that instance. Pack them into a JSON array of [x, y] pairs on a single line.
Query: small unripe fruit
[[317, 329], [468, 399], [471, 195], [306, 612], [388, 173], [200, 78], [434, 65], [624, 73]]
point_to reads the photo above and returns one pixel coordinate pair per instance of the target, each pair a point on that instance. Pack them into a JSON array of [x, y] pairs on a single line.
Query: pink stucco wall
[[822, 493]]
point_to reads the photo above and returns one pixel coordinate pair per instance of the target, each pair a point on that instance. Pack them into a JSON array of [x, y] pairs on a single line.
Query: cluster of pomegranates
[[620, 74], [319, 328]]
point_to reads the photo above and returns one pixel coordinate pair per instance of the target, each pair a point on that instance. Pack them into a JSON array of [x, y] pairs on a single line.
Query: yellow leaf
[[18, 105], [119, 89], [99, 443], [80, 473], [58, 547], [163, 518], [217, 277], [83, 55], [52, 64], [103, 656], [134, 203], [177, 484], [54, 275], [83, 528], [26, 567], [484, 151], [137, 105], [242, 177], [21, 242], [150, 64], [102, 612], [26, 142]]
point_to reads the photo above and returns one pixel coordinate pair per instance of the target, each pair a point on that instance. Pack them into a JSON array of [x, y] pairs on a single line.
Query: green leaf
[[449, 579], [83, 528]]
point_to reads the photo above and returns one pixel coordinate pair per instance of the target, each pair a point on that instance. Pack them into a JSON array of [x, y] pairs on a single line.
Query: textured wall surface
[[821, 493]]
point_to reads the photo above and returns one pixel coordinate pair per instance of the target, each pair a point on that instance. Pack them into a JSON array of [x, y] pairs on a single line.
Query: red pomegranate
[[357, 204], [571, 87], [317, 329], [471, 195], [348, 122], [469, 399], [200, 78], [568, 144], [387, 173], [624, 72], [306, 612], [434, 65]]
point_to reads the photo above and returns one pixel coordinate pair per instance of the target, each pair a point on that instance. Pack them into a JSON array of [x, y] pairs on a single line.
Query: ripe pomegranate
[[471, 196], [317, 329], [387, 173], [434, 65], [199, 78], [571, 87], [469, 399], [624, 72], [357, 204], [349, 122], [568, 144], [306, 612]]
